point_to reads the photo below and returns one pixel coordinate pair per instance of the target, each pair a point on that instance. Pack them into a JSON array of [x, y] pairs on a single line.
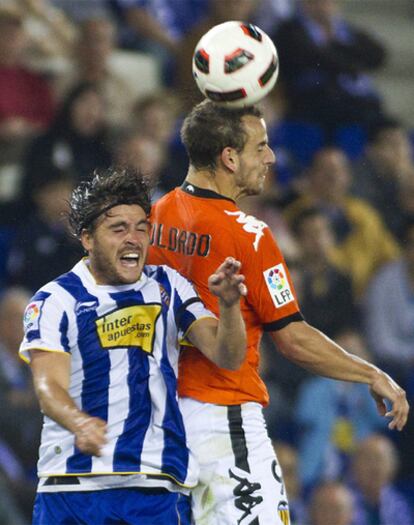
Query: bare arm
[[309, 348], [51, 377], [223, 342]]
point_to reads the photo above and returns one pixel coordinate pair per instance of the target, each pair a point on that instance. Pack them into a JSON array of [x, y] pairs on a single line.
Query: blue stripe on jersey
[[95, 363], [175, 455], [63, 329], [128, 449], [31, 335], [183, 317], [40, 296]]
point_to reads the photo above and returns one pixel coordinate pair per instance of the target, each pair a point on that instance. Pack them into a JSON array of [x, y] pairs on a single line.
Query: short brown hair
[[210, 127]]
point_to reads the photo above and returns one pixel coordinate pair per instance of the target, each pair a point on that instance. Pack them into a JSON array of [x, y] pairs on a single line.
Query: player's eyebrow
[[143, 222], [117, 224]]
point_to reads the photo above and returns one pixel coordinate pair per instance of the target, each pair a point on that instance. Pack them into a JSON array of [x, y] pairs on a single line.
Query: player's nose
[[270, 156], [133, 237]]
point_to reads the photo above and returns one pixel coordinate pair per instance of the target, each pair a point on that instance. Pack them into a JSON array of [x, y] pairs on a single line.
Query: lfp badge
[[278, 285], [31, 315]]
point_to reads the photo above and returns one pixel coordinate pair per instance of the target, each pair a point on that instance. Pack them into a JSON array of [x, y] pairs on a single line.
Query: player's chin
[[257, 188], [129, 276]]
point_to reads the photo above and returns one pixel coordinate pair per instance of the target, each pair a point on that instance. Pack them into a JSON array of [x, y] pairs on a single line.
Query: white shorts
[[240, 478]]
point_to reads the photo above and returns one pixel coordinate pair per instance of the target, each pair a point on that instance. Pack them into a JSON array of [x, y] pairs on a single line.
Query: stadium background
[[84, 83]]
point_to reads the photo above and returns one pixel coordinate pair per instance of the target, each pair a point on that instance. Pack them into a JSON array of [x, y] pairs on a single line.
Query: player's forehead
[[255, 128], [130, 213]]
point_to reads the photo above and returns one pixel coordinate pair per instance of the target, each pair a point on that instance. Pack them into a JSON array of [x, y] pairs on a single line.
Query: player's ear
[[86, 239], [230, 159]]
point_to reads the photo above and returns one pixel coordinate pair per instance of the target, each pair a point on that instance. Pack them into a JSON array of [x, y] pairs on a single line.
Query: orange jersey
[[193, 230]]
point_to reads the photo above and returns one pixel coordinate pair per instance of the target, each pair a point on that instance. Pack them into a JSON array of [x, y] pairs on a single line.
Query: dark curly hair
[[107, 188]]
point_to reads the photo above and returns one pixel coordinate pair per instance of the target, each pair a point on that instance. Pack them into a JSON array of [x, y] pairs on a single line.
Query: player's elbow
[[292, 341]]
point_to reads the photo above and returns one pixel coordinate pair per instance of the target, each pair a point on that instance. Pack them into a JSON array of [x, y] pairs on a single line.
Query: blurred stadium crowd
[[88, 83]]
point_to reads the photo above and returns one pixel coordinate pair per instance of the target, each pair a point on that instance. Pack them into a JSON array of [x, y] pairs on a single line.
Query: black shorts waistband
[[74, 480]]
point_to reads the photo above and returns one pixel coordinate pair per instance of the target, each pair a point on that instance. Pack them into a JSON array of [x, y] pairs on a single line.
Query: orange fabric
[[194, 235]]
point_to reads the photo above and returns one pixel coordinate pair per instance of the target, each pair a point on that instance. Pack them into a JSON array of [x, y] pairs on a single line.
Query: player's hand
[[227, 283], [384, 387], [90, 435]]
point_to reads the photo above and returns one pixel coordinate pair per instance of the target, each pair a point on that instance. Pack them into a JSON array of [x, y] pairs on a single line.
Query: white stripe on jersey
[[124, 367], [118, 408]]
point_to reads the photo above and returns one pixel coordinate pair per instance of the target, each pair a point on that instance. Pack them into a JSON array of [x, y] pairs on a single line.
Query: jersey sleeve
[[46, 325], [188, 307], [270, 288]]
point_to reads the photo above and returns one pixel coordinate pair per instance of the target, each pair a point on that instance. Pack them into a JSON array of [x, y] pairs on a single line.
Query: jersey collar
[[202, 192]]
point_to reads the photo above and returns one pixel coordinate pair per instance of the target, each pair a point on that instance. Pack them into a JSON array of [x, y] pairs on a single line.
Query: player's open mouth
[[130, 259]]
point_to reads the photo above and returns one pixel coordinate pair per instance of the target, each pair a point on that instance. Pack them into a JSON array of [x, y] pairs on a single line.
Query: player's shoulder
[[162, 272], [247, 229], [56, 287], [65, 290], [243, 220], [52, 295], [164, 199]]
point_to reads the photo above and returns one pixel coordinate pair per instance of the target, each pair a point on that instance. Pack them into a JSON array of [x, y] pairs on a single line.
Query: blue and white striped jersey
[[123, 343]]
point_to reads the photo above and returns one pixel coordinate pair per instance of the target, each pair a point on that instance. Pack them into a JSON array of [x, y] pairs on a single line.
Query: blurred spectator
[[332, 416], [156, 116], [77, 140], [163, 22], [265, 206], [20, 421], [50, 32], [331, 504], [92, 63], [376, 500], [217, 13], [157, 27], [406, 200], [288, 460], [324, 64], [10, 513], [26, 104], [383, 170], [389, 311], [270, 13], [363, 243], [42, 248], [326, 297], [79, 10], [145, 154]]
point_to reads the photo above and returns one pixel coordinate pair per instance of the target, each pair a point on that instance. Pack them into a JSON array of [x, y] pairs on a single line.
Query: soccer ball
[[235, 64]]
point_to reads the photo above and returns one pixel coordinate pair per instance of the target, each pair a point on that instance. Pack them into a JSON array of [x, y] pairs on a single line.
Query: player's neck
[[214, 181]]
